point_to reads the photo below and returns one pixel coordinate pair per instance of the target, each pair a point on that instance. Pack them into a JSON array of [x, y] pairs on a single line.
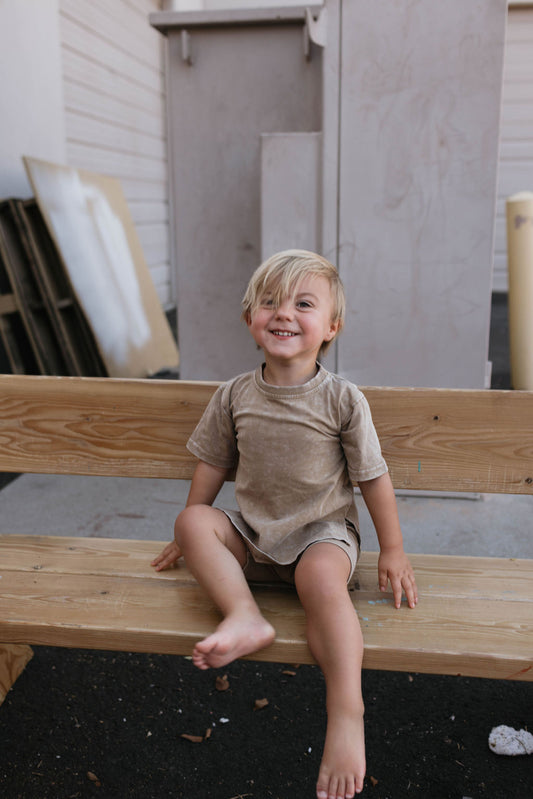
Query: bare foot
[[234, 637], [343, 766]]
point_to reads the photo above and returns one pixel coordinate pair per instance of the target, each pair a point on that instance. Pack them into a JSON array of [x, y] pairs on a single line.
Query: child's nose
[[284, 310]]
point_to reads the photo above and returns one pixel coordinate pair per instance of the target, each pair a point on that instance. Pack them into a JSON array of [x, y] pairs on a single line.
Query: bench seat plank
[[474, 616], [466, 577]]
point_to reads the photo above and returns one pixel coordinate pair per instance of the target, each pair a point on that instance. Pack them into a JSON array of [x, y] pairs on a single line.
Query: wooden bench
[[474, 616]]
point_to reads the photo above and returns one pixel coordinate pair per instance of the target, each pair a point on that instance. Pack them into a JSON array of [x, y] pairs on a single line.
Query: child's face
[[296, 329]]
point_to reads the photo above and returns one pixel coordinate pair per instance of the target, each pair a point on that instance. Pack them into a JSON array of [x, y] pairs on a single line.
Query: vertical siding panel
[[115, 112]]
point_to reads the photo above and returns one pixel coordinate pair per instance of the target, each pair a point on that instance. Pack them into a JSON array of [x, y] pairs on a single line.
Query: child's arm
[[207, 481], [393, 563]]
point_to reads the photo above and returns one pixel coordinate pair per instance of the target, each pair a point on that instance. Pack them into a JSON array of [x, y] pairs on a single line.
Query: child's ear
[[248, 318], [333, 330]]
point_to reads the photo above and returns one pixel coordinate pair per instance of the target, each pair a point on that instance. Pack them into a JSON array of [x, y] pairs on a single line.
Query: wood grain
[[474, 615], [456, 439], [92, 426], [464, 577], [13, 660], [432, 439]]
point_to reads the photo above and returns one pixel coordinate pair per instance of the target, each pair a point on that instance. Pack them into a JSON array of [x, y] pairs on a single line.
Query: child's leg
[[215, 554], [336, 642]]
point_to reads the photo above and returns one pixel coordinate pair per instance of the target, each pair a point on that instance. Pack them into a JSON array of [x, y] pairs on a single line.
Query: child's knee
[[187, 522], [308, 571], [323, 578]]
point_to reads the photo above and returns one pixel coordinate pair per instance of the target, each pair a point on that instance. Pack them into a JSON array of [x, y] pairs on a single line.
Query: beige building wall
[[115, 118], [31, 91], [83, 84]]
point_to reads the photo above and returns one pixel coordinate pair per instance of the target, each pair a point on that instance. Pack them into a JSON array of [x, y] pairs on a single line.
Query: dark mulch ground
[[120, 718]]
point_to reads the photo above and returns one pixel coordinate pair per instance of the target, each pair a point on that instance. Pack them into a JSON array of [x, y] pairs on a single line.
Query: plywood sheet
[[89, 219]]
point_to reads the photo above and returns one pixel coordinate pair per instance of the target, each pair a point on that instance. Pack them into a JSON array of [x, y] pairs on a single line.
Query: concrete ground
[[491, 525]]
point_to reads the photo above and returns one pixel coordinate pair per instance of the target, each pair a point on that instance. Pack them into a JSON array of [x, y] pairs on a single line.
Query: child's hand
[[394, 566], [168, 557]]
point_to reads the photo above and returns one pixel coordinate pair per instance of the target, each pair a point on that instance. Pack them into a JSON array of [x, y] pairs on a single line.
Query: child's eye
[[304, 304], [267, 302]]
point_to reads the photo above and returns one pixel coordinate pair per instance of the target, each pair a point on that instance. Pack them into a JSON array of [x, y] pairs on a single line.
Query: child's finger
[[383, 579], [170, 554], [165, 563], [409, 588], [160, 558], [398, 593], [411, 592], [396, 585]]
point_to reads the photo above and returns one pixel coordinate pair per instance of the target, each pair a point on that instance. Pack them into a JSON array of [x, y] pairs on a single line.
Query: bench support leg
[[13, 661]]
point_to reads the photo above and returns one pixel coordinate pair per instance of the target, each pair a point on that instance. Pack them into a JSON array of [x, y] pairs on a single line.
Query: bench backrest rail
[[432, 439]]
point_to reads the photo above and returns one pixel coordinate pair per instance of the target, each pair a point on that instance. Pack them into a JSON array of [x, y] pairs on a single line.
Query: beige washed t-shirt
[[297, 450]]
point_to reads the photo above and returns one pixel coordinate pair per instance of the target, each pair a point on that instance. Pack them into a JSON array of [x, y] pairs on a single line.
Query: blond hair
[[280, 276]]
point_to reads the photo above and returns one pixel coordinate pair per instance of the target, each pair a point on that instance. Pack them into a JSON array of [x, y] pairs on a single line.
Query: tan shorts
[[279, 572]]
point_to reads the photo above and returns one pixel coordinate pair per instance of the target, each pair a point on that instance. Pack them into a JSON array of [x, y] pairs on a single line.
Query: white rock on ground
[[505, 740]]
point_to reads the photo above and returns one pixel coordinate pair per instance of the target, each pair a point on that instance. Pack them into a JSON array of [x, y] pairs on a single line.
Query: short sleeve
[[214, 439], [361, 444]]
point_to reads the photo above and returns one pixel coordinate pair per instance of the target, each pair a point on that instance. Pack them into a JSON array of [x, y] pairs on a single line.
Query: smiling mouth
[[283, 333]]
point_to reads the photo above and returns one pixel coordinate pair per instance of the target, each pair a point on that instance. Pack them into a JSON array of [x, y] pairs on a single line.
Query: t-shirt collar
[[290, 391]]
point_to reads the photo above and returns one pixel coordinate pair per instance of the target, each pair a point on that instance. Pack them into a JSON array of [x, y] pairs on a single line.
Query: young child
[[299, 437]]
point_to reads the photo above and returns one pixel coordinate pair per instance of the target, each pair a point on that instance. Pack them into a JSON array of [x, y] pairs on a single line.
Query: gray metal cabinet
[[375, 143]]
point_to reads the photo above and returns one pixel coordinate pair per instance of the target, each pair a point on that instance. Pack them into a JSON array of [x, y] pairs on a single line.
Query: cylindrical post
[[519, 210]]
